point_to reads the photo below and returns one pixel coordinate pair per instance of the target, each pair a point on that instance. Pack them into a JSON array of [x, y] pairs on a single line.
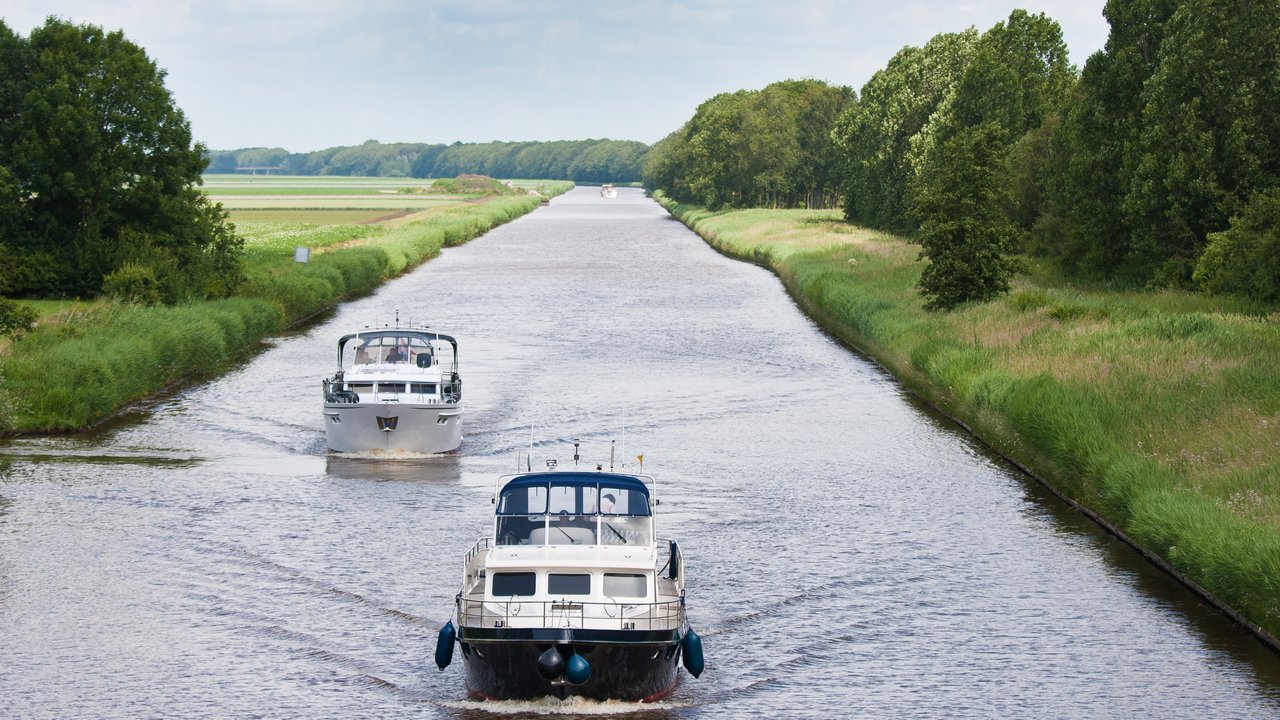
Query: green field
[[294, 199], [312, 216], [317, 184]]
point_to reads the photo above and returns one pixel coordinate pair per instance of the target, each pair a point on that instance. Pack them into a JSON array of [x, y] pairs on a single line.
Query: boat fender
[[551, 664], [444, 645], [577, 670], [691, 652]]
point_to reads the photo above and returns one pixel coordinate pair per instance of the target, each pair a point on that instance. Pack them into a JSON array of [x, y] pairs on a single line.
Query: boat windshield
[[389, 348], [573, 513]]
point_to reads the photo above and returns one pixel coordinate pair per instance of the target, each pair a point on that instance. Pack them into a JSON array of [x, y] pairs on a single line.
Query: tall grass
[[1160, 411], [86, 367], [100, 357]]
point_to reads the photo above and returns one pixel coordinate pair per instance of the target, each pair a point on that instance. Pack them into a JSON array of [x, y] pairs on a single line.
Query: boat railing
[[670, 561], [569, 613], [481, 546]]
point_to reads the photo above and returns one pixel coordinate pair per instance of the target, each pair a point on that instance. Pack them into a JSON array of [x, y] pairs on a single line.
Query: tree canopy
[[1172, 135], [98, 171], [771, 147], [1017, 78], [617, 161], [875, 135]]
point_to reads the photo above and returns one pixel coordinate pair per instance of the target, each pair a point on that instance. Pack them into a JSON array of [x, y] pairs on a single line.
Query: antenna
[[575, 452], [529, 458], [611, 442]]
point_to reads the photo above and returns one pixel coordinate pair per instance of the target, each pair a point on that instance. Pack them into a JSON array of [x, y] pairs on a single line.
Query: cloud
[[309, 74]]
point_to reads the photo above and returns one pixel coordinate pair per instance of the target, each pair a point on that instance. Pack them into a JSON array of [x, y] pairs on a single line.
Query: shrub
[[15, 318], [133, 283], [1244, 259], [1025, 300]]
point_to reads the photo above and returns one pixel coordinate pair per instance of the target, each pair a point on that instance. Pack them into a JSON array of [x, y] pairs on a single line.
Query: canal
[[848, 552]]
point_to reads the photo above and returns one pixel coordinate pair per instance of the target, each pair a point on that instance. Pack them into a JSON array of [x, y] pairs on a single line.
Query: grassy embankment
[[86, 361], [1159, 412]]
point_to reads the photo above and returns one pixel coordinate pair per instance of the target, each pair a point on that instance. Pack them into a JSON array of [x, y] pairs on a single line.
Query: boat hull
[[624, 671], [403, 427]]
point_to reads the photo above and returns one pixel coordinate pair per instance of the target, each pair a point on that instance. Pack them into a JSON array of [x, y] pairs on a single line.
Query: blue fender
[[691, 652], [577, 670], [444, 645]]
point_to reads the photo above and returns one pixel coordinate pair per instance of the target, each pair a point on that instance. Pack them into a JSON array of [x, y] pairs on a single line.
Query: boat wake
[[572, 705], [380, 454]]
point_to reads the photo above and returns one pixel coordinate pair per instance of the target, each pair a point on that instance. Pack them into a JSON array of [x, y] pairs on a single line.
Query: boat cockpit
[[415, 348], [574, 509]]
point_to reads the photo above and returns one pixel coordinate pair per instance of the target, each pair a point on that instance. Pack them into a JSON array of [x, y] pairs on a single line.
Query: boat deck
[[661, 611]]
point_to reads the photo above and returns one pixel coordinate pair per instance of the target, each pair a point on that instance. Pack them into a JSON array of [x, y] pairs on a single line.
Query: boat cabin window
[[622, 501], [513, 583], [625, 585], [360, 387], [423, 388], [391, 387], [566, 584], [573, 513], [409, 348]]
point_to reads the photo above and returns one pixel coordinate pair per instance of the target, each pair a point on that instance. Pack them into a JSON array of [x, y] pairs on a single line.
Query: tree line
[[590, 161], [1157, 165], [99, 175], [755, 148]]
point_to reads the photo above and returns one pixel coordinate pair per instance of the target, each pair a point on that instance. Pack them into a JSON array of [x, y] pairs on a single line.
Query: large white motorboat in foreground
[[573, 594], [395, 389]]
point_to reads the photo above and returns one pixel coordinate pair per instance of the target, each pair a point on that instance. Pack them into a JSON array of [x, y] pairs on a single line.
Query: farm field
[[284, 199]]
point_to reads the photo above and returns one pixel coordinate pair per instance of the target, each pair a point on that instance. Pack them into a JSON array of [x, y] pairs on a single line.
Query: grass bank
[[99, 357], [1159, 412]]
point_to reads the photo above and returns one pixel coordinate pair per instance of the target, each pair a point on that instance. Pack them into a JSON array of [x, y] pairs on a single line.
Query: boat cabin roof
[[577, 478], [574, 492], [425, 336]]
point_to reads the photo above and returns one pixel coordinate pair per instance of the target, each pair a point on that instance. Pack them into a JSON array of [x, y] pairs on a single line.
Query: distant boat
[[608, 191], [395, 389], [573, 594]]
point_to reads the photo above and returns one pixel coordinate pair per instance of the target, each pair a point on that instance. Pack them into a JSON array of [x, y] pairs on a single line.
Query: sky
[[311, 74]]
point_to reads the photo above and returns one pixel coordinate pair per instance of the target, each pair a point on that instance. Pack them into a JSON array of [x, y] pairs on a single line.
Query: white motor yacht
[[573, 594], [394, 390]]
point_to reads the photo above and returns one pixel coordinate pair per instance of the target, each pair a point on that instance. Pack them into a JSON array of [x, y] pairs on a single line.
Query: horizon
[[264, 75]]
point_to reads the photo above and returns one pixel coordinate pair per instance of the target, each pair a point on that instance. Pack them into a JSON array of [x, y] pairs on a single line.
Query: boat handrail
[[564, 612], [482, 545]]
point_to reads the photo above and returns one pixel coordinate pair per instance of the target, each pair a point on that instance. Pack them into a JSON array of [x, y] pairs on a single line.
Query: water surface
[[848, 553]]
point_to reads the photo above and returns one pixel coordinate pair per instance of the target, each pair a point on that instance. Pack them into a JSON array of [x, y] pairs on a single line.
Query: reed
[[1158, 410], [78, 371]]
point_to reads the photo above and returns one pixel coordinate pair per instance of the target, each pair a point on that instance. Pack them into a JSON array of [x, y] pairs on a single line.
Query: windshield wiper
[[615, 532]]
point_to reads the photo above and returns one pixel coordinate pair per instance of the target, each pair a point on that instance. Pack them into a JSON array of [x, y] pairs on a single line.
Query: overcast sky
[[311, 74]]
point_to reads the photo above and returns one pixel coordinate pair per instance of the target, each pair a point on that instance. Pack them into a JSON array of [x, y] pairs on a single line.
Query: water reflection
[[428, 469]]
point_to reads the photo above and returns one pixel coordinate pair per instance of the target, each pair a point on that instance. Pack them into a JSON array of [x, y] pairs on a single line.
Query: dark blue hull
[[632, 671]]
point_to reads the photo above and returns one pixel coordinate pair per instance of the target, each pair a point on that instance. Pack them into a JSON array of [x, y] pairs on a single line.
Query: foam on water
[[555, 706]]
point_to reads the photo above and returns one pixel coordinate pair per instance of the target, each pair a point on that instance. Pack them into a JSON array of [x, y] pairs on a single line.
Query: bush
[[16, 319], [1025, 300], [1244, 259], [133, 283]]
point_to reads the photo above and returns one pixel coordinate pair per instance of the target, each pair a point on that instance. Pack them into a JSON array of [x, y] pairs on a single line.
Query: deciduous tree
[[106, 170]]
